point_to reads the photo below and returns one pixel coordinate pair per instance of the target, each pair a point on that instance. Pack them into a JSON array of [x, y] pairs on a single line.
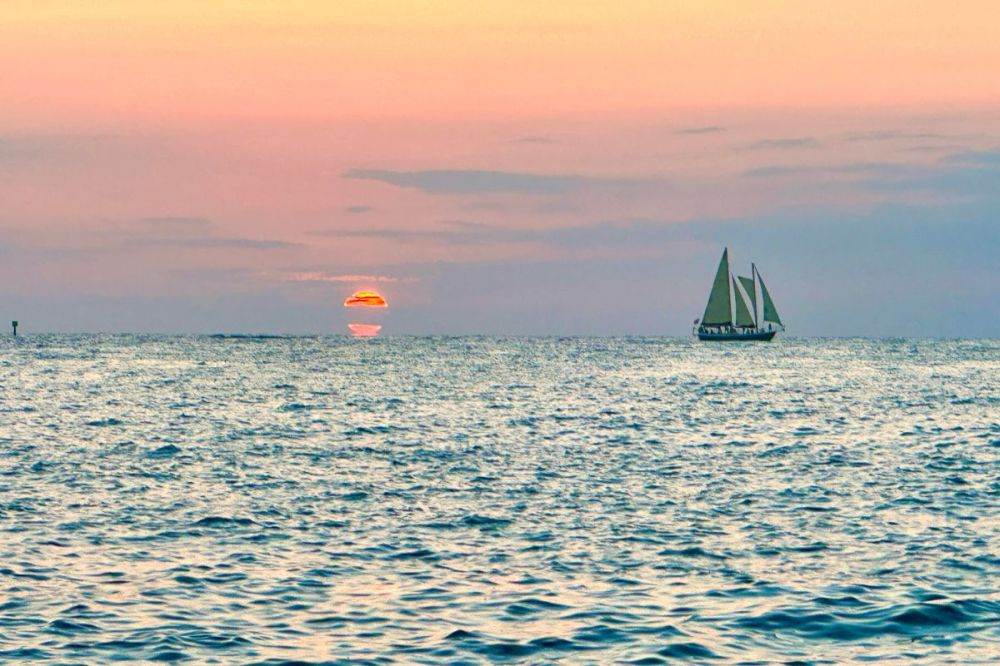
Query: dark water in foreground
[[464, 500]]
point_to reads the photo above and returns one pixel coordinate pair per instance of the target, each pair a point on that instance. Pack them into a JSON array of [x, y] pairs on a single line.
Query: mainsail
[[718, 312], [743, 316], [770, 312]]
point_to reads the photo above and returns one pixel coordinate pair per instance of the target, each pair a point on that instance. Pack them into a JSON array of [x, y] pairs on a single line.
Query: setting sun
[[366, 299]]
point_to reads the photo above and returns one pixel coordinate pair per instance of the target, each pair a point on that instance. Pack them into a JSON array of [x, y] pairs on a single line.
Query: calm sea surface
[[477, 500]]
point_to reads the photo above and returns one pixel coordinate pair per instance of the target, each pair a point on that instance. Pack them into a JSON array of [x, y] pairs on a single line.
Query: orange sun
[[366, 299]]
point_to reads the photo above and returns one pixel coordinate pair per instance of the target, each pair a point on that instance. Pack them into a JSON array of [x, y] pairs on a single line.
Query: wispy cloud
[[934, 148], [894, 135], [785, 143], [533, 139], [947, 234], [456, 232], [984, 158], [849, 169], [464, 224], [772, 171], [79, 148], [191, 231], [219, 242], [214, 273], [461, 232], [967, 175], [357, 210], [707, 129], [176, 222], [15, 148], [388, 233], [458, 181], [319, 276]]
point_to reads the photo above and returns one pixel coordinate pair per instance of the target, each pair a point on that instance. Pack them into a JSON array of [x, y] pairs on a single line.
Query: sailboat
[[731, 312]]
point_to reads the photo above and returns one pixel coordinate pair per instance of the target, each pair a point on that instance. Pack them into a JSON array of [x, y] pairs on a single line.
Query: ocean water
[[480, 500]]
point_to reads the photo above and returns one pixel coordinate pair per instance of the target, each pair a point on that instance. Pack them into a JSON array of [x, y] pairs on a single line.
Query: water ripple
[[282, 500]]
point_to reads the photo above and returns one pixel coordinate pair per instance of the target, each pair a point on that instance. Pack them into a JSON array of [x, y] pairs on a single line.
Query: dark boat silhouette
[[732, 313]]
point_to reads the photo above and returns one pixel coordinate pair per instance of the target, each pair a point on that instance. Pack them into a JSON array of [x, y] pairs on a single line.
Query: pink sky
[[187, 150], [142, 62]]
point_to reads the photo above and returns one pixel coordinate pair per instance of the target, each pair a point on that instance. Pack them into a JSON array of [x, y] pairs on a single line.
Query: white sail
[[743, 316], [749, 287]]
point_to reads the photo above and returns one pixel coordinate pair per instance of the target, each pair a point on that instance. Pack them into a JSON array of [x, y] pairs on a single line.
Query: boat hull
[[751, 336]]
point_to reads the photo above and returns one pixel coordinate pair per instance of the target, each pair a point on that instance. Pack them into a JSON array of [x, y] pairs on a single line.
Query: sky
[[566, 167]]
